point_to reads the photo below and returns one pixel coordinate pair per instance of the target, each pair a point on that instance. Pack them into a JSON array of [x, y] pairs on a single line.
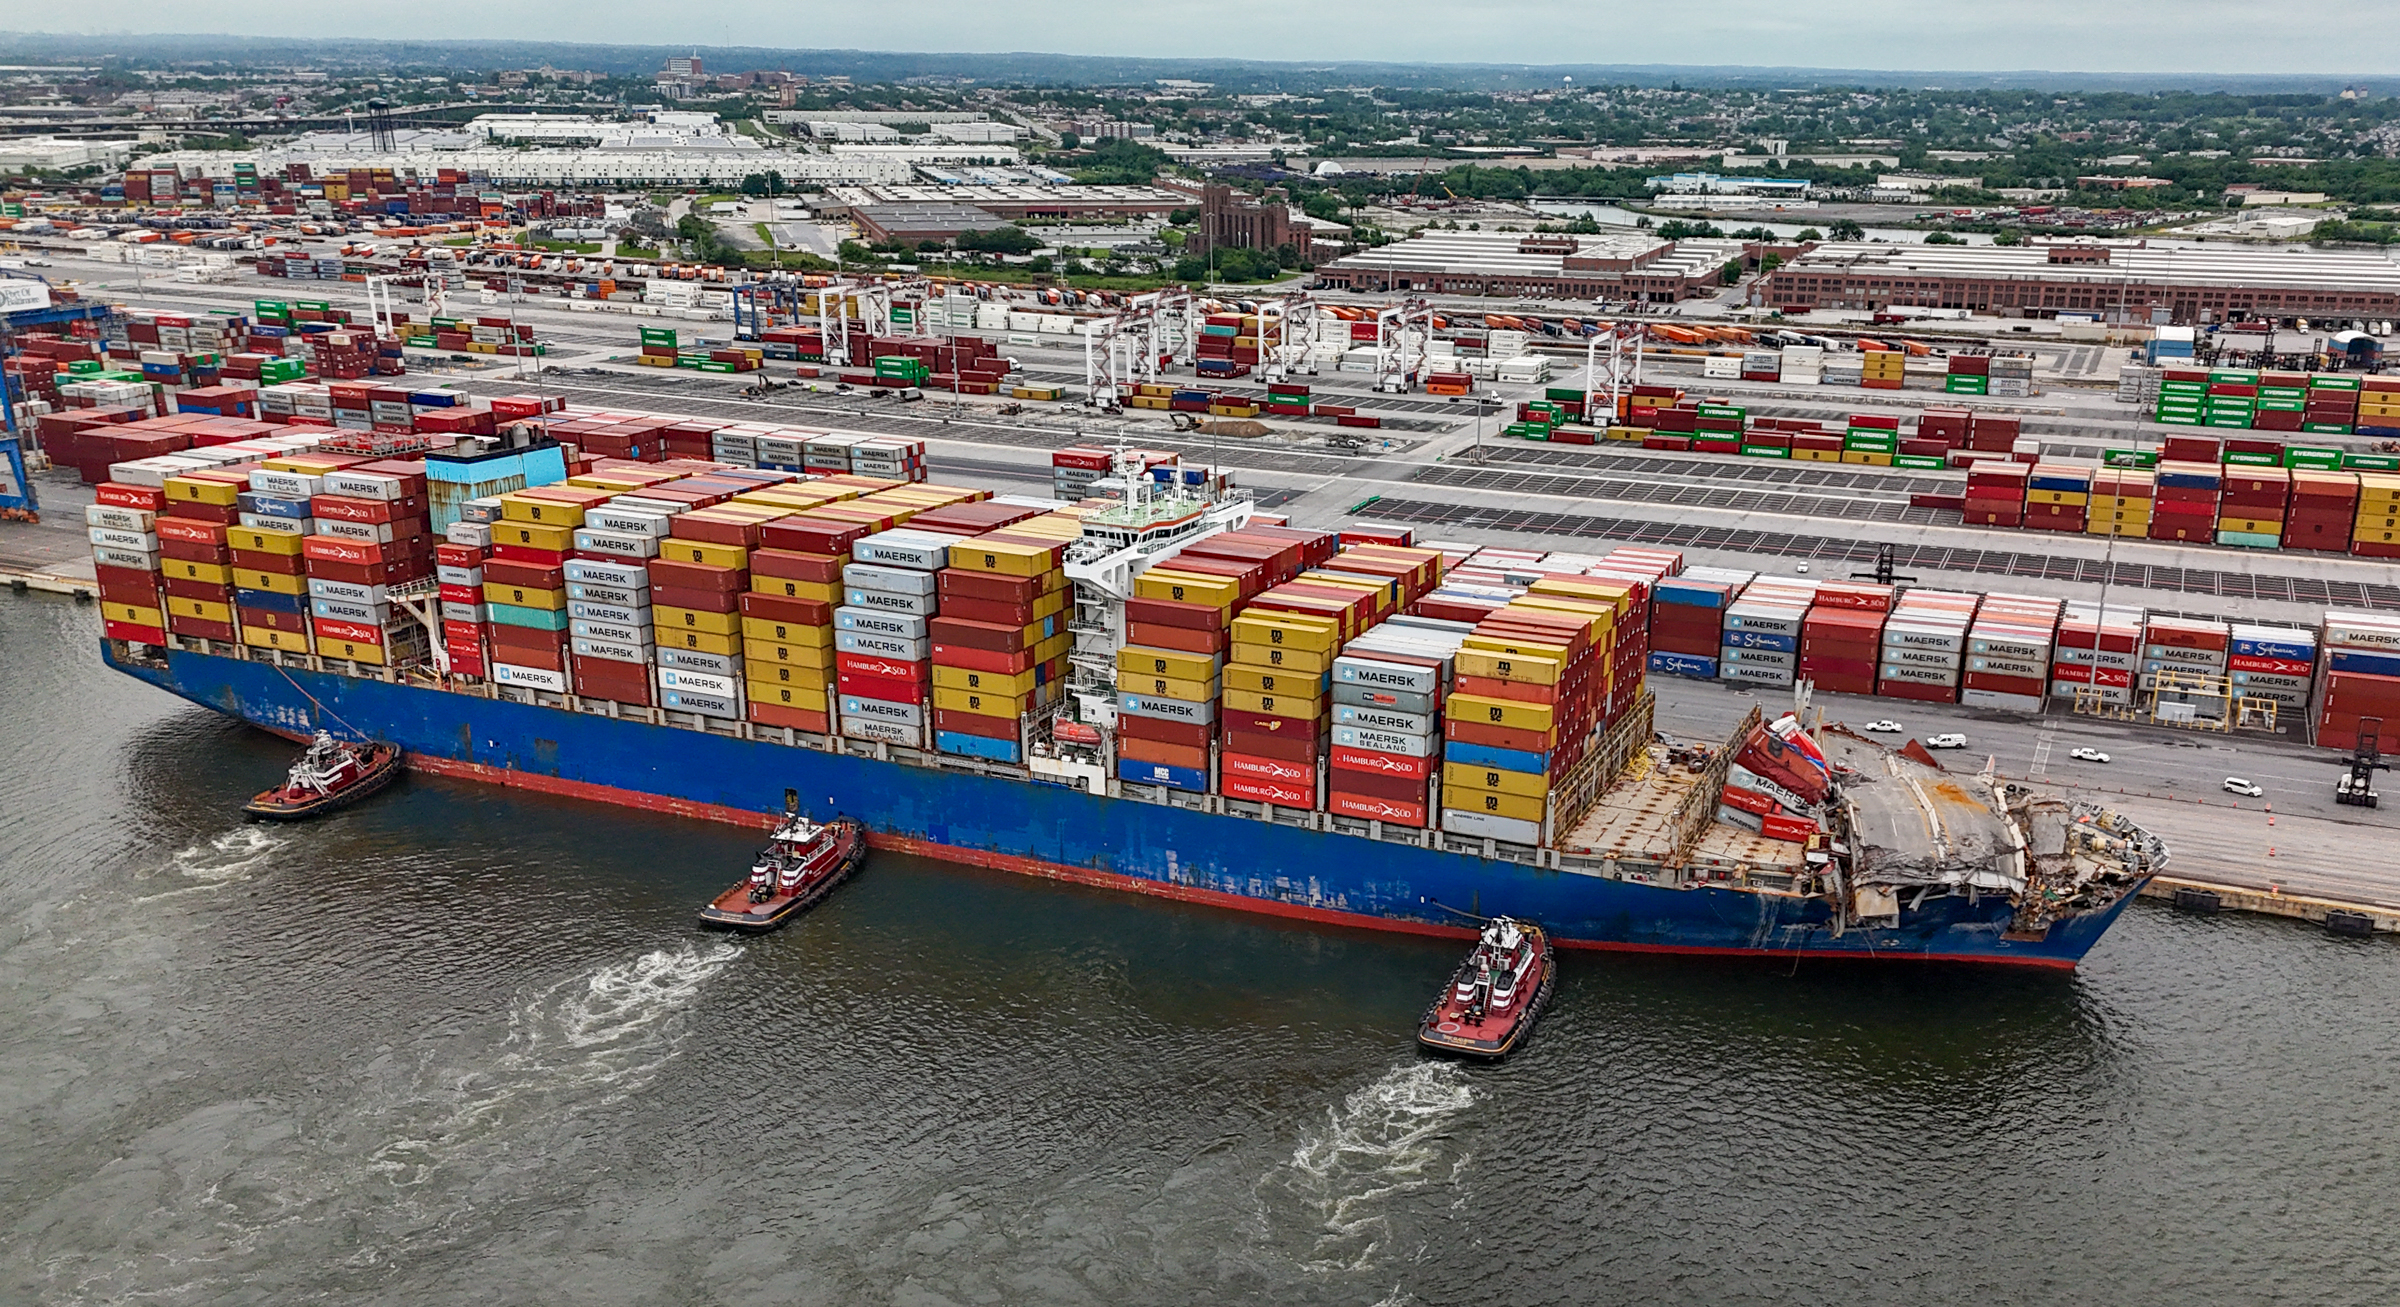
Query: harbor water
[[464, 1045]]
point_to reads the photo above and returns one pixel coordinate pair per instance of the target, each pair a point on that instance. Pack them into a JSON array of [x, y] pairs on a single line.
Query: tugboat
[[332, 774], [801, 864], [1496, 995]]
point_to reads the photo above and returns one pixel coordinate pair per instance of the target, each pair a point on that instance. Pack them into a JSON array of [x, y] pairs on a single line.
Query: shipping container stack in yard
[[1842, 637], [2098, 653], [1924, 646], [1760, 642], [2359, 679], [2375, 532], [2011, 651]]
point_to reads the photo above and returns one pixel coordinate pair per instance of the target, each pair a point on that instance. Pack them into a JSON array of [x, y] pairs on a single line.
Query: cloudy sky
[[2219, 36]]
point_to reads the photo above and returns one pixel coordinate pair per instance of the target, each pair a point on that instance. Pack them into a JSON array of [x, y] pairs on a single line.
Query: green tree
[[1732, 274], [1944, 238], [2008, 237], [1191, 268], [1069, 141], [1011, 239], [1809, 234], [1844, 229], [763, 183]]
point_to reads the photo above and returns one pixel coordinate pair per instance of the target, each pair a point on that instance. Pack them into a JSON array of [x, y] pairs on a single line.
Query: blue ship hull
[[1063, 833]]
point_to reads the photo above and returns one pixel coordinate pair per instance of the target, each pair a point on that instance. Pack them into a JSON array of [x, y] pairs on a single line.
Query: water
[[463, 1046]]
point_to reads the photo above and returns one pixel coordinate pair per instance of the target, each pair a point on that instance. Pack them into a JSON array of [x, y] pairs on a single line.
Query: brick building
[[1546, 265], [1232, 220]]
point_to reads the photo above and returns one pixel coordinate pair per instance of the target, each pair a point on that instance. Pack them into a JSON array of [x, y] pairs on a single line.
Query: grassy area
[[700, 203], [458, 240], [568, 247]]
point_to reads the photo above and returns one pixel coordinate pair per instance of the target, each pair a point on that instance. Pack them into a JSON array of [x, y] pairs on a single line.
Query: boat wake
[[1347, 1181], [582, 1043], [428, 1152], [221, 860]]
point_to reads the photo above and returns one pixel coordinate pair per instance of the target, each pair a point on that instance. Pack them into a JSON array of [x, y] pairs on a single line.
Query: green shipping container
[[2326, 428], [711, 365], [658, 336], [1766, 451], [2372, 462], [2179, 419], [1571, 394], [266, 307], [2249, 540], [1922, 461], [1723, 411], [2252, 460], [2333, 383]]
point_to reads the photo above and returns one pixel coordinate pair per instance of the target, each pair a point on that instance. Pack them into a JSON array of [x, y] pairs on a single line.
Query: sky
[[2211, 36]]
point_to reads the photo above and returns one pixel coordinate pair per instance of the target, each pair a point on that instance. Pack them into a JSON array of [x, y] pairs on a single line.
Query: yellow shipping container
[[1142, 660], [824, 592], [207, 610], [665, 618], [787, 674], [351, 650], [805, 697], [1286, 631], [1272, 680], [1501, 644], [704, 551], [1492, 803], [1529, 669], [500, 592], [1004, 557], [259, 637], [263, 542], [2057, 497], [1867, 458], [250, 578], [1187, 587], [547, 512], [1310, 661], [1168, 687], [2262, 526], [111, 611], [183, 569], [1468, 778], [703, 641], [1307, 707], [768, 653], [534, 535], [202, 490], [968, 678], [982, 703], [1511, 713]]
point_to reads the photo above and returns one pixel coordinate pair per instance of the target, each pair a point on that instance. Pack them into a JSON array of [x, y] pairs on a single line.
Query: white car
[[1953, 740], [1884, 727], [2087, 755], [2247, 789]]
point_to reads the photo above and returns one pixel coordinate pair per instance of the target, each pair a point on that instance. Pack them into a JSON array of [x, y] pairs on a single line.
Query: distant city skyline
[[2201, 36]]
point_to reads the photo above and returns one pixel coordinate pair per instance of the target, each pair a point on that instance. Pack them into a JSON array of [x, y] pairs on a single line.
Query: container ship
[[1139, 681]]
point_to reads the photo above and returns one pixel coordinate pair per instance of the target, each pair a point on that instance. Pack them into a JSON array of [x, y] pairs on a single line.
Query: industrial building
[[1017, 201], [914, 224], [1544, 265], [2133, 282]]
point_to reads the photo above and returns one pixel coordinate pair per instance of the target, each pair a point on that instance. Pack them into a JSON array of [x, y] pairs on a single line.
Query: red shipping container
[[1190, 735], [1173, 755], [798, 719], [967, 723], [1260, 791], [1379, 785], [1397, 812], [1291, 747], [1266, 770]]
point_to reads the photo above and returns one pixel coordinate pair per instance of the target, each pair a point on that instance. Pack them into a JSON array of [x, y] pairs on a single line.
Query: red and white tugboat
[[801, 864], [1492, 1001], [332, 774]]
